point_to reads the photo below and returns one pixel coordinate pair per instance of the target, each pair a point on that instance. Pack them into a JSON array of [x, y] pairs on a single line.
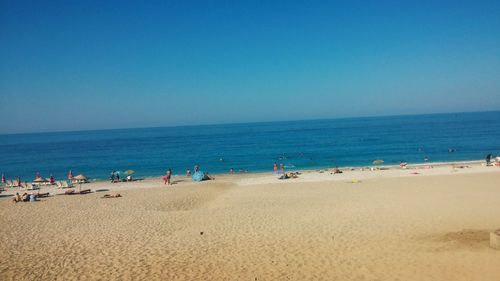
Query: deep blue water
[[253, 147]]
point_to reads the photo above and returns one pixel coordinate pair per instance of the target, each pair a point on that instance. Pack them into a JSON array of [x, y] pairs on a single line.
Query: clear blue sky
[[71, 65]]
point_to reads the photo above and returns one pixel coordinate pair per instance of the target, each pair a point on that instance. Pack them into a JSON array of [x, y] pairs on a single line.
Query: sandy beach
[[395, 224]]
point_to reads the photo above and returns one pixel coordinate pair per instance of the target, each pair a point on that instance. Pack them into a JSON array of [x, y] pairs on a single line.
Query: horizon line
[[243, 123]]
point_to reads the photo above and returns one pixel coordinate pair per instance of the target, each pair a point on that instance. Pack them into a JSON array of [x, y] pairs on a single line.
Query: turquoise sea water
[[253, 147]]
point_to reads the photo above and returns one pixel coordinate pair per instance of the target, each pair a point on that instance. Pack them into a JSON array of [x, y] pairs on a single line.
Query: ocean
[[253, 147]]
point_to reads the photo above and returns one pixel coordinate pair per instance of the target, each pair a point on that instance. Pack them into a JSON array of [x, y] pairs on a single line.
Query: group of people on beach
[[39, 180], [196, 175], [28, 197], [115, 177], [281, 169], [492, 160]]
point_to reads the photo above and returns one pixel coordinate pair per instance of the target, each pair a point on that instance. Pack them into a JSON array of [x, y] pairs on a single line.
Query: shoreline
[[349, 174], [343, 168]]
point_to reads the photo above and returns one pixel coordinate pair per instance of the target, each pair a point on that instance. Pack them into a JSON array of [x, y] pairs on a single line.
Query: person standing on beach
[[282, 168], [112, 177], [275, 168], [488, 159], [52, 180], [168, 175], [196, 168], [188, 173]]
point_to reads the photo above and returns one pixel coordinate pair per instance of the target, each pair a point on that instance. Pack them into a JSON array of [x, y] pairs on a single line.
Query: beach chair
[[74, 192], [30, 186]]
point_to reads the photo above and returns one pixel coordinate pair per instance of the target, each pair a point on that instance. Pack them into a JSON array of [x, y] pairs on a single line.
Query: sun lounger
[[74, 192]]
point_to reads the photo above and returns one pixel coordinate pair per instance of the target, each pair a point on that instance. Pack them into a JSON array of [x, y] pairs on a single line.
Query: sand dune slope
[[388, 228]]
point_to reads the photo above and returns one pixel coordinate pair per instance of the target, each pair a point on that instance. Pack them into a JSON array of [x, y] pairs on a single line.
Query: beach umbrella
[[128, 172], [377, 162], [39, 179], [80, 178], [70, 174]]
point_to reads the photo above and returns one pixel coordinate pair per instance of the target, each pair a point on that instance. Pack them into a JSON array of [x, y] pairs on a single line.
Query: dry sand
[[390, 225]]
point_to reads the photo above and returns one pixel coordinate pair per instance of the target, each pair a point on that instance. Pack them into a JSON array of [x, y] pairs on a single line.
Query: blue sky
[[71, 65]]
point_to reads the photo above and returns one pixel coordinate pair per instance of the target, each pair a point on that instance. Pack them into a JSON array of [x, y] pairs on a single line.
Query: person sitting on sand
[[25, 197], [403, 164], [112, 196], [17, 198], [207, 177], [290, 175], [337, 170], [284, 177]]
